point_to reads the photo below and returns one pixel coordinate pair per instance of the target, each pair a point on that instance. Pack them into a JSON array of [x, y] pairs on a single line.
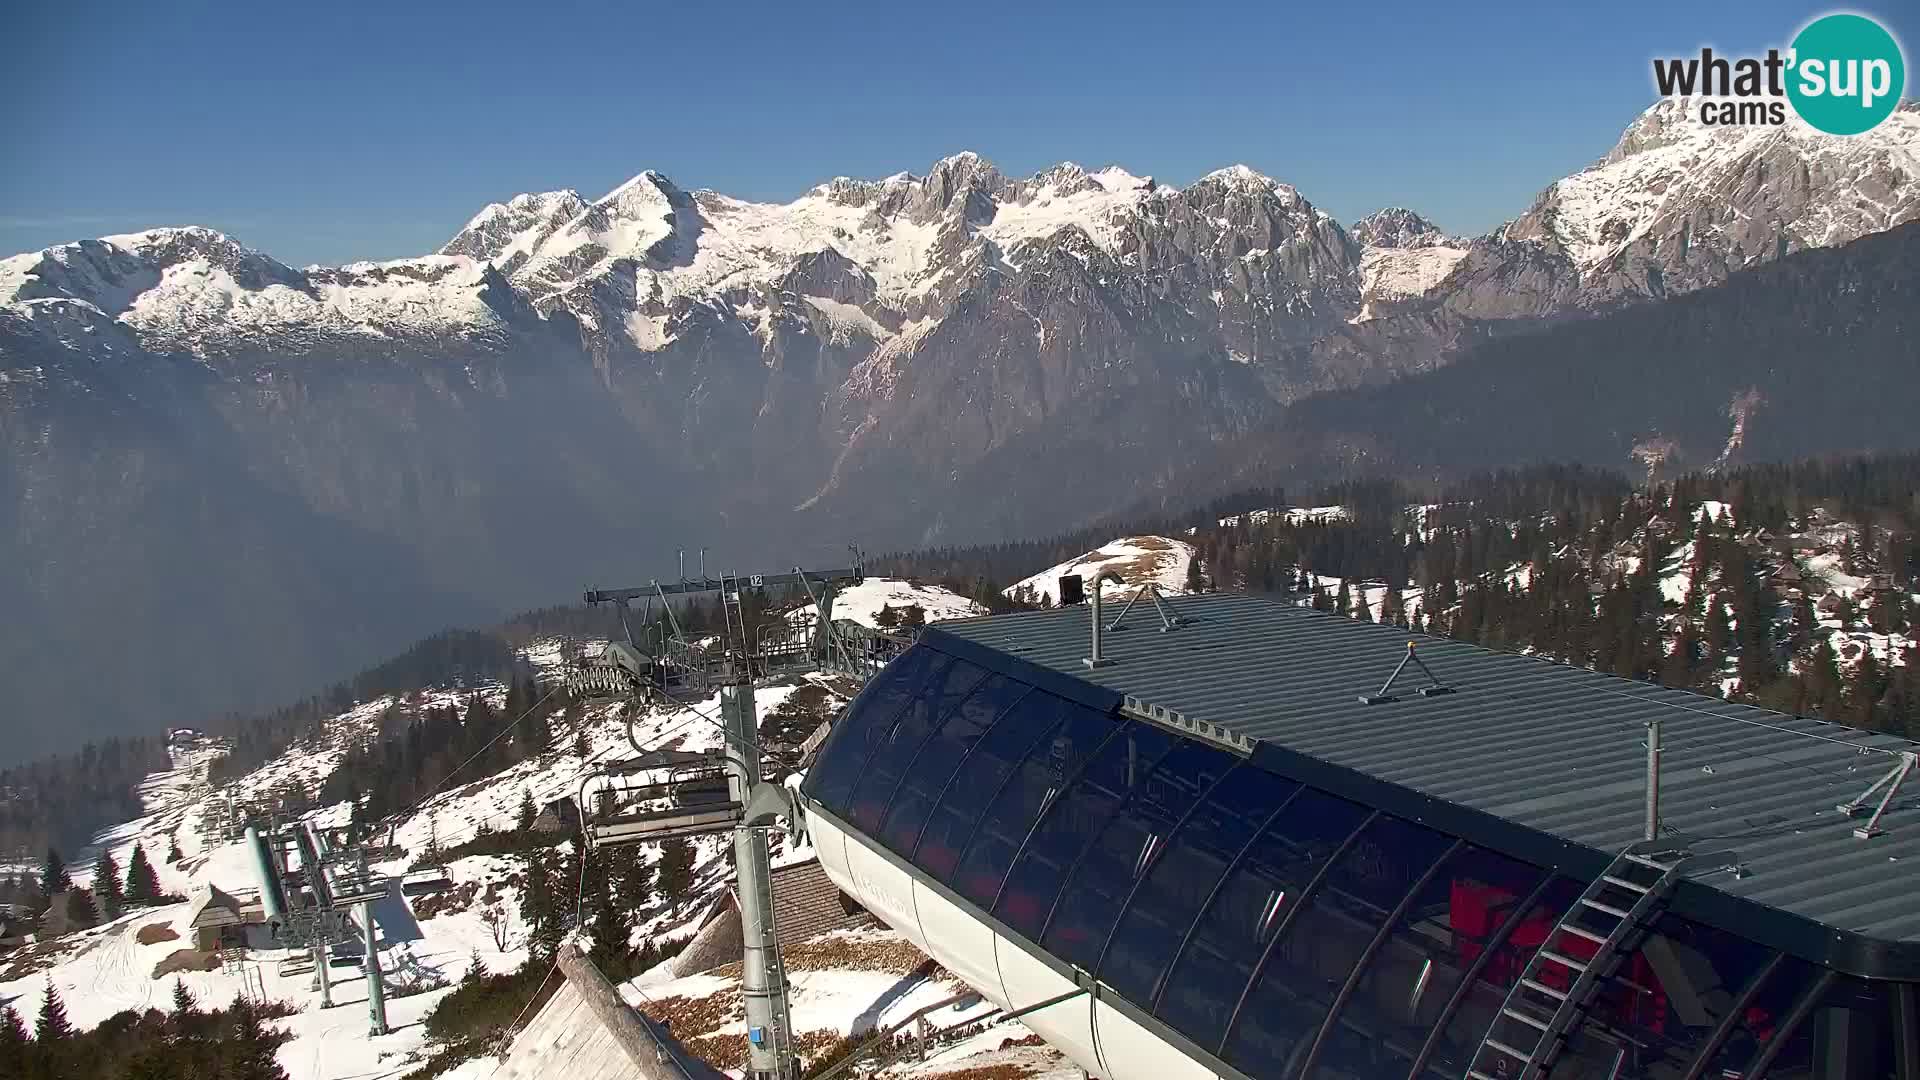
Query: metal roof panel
[[1542, 744]]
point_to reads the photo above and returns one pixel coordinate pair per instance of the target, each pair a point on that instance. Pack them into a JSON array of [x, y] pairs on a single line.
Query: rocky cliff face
[[1675, 205], [910, 359]]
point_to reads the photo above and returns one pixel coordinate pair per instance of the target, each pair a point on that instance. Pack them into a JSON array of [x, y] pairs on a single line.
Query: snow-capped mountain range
[[954, 355], [1674, 205]]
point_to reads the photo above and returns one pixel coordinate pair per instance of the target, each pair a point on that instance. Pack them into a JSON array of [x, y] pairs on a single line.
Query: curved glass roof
[[1269, 926]]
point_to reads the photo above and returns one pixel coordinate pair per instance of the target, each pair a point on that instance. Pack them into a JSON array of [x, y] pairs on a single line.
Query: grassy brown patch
[[186, 960], [841, 952], [1006, 1071], [691, 1018], [446, 902], [155, 933]]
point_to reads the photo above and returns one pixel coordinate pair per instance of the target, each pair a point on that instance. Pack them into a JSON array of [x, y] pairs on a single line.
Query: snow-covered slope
[[193, 289], [862, 602], [1294, 515], [1679, 196], [848, 983], [1136, 559], [113, 967]]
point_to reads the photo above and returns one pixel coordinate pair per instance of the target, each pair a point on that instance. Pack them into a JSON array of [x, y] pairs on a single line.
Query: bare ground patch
[[458, 898], [1155, 551], [841, 952], [691, 1018], [186, 960], [155, 933], [990, 1072]]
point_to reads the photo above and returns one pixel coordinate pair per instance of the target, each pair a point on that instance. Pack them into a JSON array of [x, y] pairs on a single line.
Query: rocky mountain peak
[[1665, 122], [965, 180], [1239, 175], [492, 233], [1398, 227]]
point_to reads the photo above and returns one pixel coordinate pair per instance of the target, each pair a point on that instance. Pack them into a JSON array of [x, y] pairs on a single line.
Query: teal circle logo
[[1846, 74]]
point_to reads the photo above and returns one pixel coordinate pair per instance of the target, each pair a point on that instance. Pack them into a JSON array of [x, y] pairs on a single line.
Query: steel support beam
[[763, 977]]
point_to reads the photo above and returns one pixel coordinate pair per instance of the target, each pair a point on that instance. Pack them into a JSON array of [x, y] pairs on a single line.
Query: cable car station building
[[1211, 843]]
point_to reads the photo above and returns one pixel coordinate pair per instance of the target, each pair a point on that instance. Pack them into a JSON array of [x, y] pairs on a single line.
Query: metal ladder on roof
[[1610, 918]]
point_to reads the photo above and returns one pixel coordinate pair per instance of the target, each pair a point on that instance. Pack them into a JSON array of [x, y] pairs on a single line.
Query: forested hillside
[[1787, 585], [58, 801], [1791, 586], [1811, 355]]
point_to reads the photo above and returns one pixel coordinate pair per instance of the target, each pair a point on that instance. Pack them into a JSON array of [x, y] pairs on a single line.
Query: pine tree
[[252, 1053], [1393, 610], [143, 886], [633, 881], [611, 948], [13, 1030], [53, 1025], [531, 731], [1863, 692], [173, 846], [539, 906], [81, 910], [183, 1003], [476, 970], [912, 617], [886, 618], [676, 869], [14, 1045], [106, 884], [1343, 600], [523, 820], [1719, 632], [1821, 672], [580, 748], [53, 876]]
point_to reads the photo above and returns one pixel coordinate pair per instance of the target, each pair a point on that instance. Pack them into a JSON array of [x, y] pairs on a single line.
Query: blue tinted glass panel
[[1477, 910], [1036, 781], [939, 694], [979, 779], [936, 762], [1073, 817], [1130, 844], [1254, 899], [854, 736], [1667, 998], [1325, 941], [1849, 1032], [1413, 974], [1179, 882]]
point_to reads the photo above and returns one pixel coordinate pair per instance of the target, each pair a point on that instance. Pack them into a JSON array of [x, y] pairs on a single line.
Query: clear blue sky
[[332, 132]]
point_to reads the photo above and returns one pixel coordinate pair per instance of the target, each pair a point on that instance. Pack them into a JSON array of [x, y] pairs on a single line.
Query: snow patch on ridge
[[1136, 559], [1404, 273]]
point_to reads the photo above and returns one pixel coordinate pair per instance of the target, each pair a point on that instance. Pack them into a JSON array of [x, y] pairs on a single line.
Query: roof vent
[[1097, 658], [1384, 697]]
